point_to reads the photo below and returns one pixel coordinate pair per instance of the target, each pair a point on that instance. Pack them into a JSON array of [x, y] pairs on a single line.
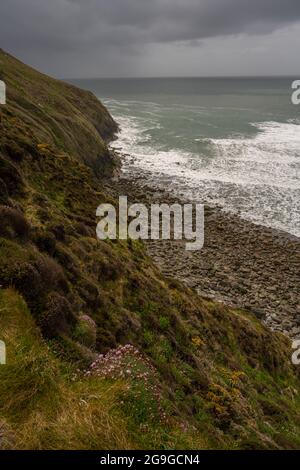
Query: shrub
[[14, 151], [89, 291], [83, 230], [27, 280], [57, 317], [45, 241], [30, 272], [11, 176], [86, 331], [59, 232], [13, 224], [3, 192], [109, 271], [51, 273], [66, 258]]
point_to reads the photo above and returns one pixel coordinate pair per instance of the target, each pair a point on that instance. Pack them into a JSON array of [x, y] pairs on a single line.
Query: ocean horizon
[[233, 142]]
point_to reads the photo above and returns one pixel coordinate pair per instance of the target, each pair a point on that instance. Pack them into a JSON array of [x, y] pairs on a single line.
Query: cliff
[[177, 371], [58, 113]]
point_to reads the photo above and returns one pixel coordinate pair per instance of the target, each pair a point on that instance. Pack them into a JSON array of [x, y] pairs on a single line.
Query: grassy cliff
[[197, 374]]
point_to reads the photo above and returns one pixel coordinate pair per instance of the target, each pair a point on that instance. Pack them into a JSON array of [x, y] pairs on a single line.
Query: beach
[[242, 264], [232, 145]]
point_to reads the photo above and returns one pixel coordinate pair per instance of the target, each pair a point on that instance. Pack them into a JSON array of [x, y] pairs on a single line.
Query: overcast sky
[[105, 38]]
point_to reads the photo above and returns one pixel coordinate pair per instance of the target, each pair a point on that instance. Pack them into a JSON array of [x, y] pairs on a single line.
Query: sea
[[228, 142]]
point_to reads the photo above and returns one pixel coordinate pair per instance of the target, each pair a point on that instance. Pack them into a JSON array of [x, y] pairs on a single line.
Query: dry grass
[[84, 419], [49, 133], [45, 404], [40, 404]]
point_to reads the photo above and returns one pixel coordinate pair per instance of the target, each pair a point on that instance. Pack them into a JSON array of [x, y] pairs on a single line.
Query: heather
[[104, 352]]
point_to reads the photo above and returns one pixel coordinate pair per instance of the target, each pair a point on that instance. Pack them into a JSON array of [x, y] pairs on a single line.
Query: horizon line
[[185, 77]]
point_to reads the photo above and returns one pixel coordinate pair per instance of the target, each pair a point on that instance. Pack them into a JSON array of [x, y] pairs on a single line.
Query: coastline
[[96, 337], [242, 264]]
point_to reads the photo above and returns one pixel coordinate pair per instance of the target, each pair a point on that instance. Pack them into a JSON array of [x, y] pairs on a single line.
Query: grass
[[224, 380], [45, 404], [40, 404]]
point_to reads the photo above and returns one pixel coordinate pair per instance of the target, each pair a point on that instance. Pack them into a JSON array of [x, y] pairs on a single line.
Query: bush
[[83, 230], [59, 232], [45, 241], [3, 192], [109, 271], [11, 177], [31, 273], [14, 151], [52, 274], [86, 331], [57, 317], [90, 293], [27, 280], [13, 224]]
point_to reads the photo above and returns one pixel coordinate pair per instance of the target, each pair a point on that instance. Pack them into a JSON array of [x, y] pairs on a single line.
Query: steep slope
[[198, 374], [58, 113]]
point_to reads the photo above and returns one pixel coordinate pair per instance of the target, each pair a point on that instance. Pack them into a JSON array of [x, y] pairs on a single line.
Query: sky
[[153, 38]]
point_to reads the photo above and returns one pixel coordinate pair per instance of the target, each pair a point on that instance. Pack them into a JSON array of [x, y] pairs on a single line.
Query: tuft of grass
[[43, 407], [223, 377]]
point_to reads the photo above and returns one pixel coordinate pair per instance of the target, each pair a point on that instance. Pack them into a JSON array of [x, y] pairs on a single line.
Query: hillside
[[188, 372], [57, 113]]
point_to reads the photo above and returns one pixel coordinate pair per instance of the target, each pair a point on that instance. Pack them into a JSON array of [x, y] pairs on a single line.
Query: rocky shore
[[96, 338], [242, 264]]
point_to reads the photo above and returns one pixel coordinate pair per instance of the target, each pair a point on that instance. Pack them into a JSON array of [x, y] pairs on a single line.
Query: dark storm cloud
[[39, 27], [68, 22]]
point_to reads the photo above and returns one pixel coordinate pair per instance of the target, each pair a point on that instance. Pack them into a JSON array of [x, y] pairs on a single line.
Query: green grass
[[46, 404], [224, 380]]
